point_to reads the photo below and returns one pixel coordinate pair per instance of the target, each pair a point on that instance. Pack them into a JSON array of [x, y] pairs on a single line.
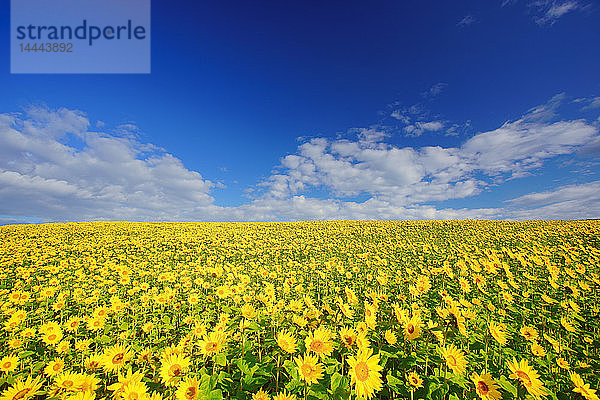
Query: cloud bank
[[55, 167]]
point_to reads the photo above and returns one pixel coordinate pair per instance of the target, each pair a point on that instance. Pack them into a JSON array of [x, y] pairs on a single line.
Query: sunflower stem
[[277, 377]]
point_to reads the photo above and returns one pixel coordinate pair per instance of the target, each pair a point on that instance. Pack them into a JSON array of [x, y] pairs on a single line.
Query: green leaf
[[291, 369], [221, 359], [460, 380], [394, 383], [336, 379], [38, 366], [216, 394], [293, 385], [104, 339], [506, 385]]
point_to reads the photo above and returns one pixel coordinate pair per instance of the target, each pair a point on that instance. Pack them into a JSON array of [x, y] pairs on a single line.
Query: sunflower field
[[307, 310]]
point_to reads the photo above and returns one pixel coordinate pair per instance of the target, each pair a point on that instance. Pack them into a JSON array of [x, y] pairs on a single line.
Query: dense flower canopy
[[467, 309]]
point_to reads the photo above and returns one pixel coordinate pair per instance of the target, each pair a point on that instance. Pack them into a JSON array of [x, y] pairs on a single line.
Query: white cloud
[[466, 21], [408, 176], [434, 90], [565, 202], [590, 103], [549, 11], [418, 128], [53, 166], [115, 177]]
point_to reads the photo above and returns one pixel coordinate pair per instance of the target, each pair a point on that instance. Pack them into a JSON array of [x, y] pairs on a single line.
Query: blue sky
[[306, 110]]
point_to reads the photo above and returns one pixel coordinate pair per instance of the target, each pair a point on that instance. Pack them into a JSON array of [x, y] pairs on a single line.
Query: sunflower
[[135, 391], [93, 362], [130, 379], [529, 333], [72, 324], [172, 368], [261, 395], [455, 359], [15, 343], [9, 363], [582, 388], [68, 381], [564, 364], [212, 343], [537, 350], [498, 332], [54, 367], [390, 337], [309, 368], [319, 342], [248, 311], [527, 376], [89, 383], [351, 296], [457, 320], [485, 386], [145, 356], [96, 323], [22, 390], [345, 309], [28, 333], [199, 330], [364, 373], [188, 389], [401, 315], [568, 325], [287, 342], [362, 342], [52, 337], [115, 357], [414, 380], [49, 327], [555, 343], [285, 396], [348, 337], [412, 328]]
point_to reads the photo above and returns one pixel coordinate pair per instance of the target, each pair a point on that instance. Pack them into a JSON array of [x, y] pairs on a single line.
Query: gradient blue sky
[[318, 110]]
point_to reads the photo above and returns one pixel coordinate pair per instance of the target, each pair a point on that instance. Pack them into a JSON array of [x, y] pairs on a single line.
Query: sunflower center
[[211, 346], [348, 340], [362, 371], [52, 337], [317, 346], [67, 384], [21, 394], [524, 378], [482, 387], [56, 367], [133, 396], [451, 360], [175, 370], [411, 328], [307, 370], [118, 358], [190, 393], [7, 365]]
